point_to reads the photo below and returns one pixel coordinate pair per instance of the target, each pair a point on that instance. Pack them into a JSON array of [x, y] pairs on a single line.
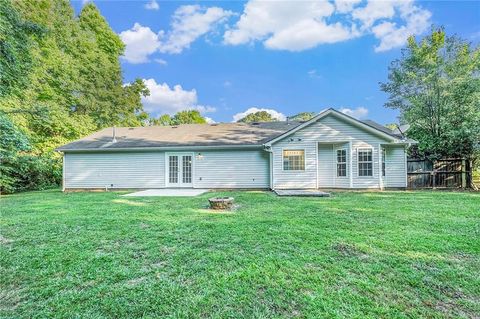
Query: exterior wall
[[114, 170], [232, 169], [329, 129], [395, 169], [326, 160], [213, 169]]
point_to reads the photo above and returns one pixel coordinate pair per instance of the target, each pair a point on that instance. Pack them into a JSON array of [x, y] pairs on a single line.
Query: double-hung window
[[365, 162], [341, 163], [294, 160]]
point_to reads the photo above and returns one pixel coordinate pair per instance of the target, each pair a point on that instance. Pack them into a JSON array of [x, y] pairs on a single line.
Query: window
[[341, 163], [293, 160], [365, 162], [384, 156], [173, 171]]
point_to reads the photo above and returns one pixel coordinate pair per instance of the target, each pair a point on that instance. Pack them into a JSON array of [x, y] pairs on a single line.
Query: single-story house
[[331, 150]]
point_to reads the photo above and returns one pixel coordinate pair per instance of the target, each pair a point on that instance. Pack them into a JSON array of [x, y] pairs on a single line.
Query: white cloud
[[227, 84], [272, 112], [140, 42], [161, 61], [313, 74], [286, 25], [416, 21], [373, 11], [152, 5], [163, 99], [345, 6], [189, 23], [210, 120], [359, 112]]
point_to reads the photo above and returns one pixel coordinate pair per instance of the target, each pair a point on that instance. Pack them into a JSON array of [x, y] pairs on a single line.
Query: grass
[[363, 255]]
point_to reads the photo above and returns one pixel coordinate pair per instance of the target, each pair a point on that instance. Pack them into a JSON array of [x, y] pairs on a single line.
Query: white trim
[[336, 162], [180, 169], [271, 169], [63, 173], [304, 159], [373, 162], [334, 177], [351, 163], [316, 163], [163, 148], [380, 167], [406, 166], [345, 117]]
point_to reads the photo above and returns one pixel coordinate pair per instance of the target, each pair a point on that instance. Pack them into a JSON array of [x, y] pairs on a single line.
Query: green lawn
[[372, 254]]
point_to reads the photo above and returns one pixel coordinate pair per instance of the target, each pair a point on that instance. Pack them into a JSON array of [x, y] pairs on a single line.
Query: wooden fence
[[445, 173]]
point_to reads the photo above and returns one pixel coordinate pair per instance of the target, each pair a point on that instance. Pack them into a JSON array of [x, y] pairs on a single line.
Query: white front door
[[179, 169]]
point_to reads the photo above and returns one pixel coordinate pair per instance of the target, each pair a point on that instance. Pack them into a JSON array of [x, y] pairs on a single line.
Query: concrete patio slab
[[301, 192], [185, 192]]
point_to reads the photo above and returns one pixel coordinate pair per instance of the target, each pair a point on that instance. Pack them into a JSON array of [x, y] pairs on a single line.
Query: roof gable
[[361, 125]]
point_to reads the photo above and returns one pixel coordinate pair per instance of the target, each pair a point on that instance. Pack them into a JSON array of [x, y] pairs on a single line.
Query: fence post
[[464, 174]]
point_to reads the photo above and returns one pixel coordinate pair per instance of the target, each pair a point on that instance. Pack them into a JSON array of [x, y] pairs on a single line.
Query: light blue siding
[[114, 170], [211, 169], [333, 133], [232, 169], [395, 170]]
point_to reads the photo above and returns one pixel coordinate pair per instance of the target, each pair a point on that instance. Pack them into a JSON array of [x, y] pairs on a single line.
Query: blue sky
[[226, 58]]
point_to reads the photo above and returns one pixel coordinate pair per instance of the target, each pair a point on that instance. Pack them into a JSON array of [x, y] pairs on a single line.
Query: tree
[[188, 117], [60, 79], [15, 46], [436, 86], [260, 116], [303, 116]]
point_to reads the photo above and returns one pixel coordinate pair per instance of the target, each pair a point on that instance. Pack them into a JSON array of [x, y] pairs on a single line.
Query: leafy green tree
[[188, 117], [15, 45], [260, 116], [303, 116], [60, 79], [436, 86]]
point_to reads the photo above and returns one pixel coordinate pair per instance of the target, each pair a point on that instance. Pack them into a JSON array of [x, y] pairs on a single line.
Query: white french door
[[179, 169]]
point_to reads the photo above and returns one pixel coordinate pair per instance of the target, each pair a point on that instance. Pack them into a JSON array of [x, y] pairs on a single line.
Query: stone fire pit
[[221, 203]]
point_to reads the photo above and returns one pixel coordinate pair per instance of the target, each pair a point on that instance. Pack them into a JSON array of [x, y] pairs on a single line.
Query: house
[[332, 150]]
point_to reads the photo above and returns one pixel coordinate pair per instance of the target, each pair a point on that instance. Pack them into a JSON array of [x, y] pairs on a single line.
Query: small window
[[341, 163], [365, 162], [384, 156], [293, 160]]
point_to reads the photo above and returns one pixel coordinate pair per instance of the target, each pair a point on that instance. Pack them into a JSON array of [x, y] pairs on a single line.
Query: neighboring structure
[[332, 150]]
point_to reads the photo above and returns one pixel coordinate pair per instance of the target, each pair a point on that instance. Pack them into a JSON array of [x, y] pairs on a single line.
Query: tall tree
[[15, 46], [260, 116], [60, 79], [436, 86], [188, 117]]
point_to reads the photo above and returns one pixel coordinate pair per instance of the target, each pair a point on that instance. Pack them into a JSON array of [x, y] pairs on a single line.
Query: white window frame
[[337, 162], [359, 149], [304, 160]]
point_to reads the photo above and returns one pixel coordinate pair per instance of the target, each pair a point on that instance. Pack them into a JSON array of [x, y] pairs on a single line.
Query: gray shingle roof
[[222, 134]]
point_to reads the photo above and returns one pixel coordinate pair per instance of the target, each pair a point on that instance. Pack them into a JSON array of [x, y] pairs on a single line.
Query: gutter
[[161, 148]]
